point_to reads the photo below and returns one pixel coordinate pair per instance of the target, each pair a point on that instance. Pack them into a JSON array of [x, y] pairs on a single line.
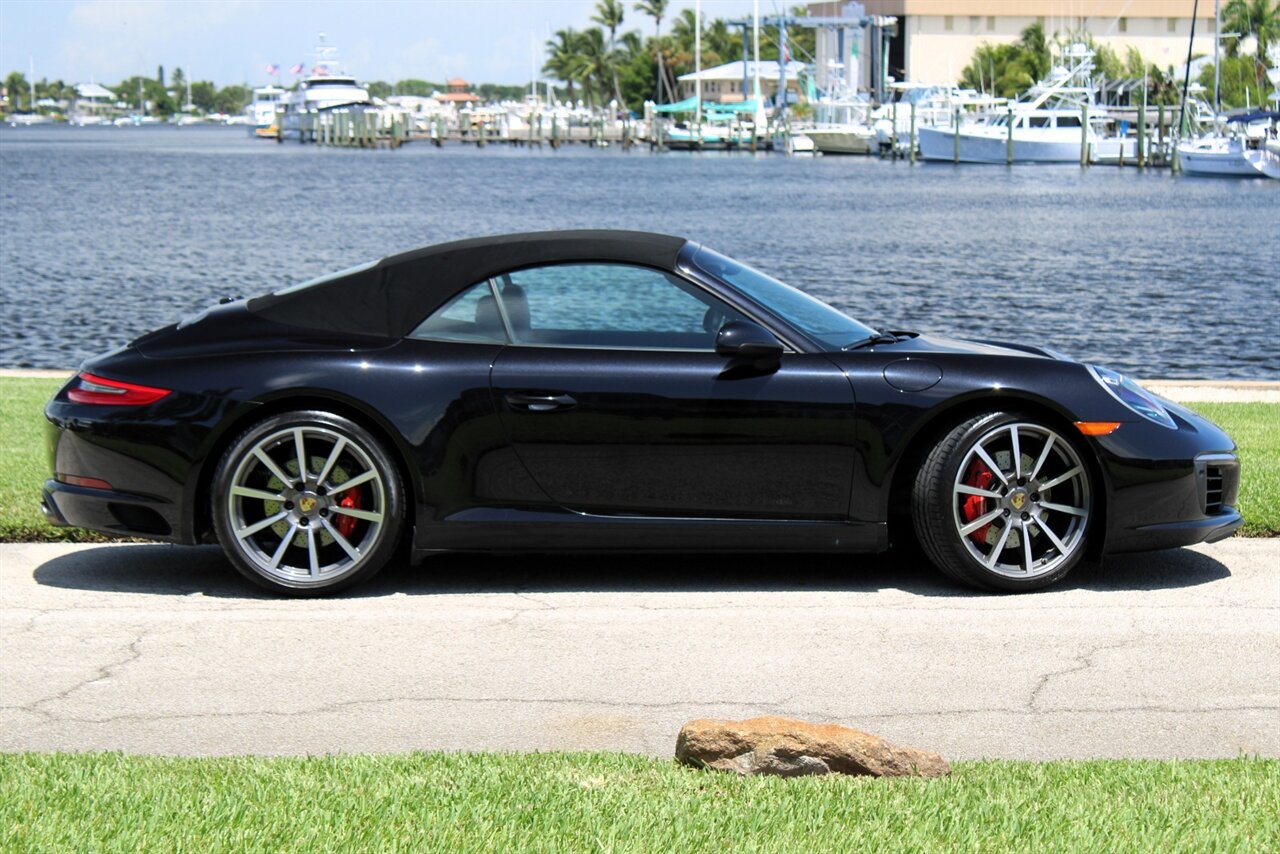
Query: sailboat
[[1242, 146], [1235, 150]]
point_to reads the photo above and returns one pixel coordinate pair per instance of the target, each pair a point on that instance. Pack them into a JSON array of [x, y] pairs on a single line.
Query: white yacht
[[934, 106], [841, 127], [1049, 128], [261, 112], [840, 122], [28, 119], [325, 88]]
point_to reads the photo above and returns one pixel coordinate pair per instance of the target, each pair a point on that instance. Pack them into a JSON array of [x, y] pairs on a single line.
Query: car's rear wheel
[[307, 503], [1004, 501]]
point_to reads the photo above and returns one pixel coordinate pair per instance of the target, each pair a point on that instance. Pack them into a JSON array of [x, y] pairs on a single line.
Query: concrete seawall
[[1183, 391]]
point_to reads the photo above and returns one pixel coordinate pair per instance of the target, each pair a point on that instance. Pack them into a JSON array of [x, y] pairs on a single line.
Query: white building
[[935, 39], [724, 83]]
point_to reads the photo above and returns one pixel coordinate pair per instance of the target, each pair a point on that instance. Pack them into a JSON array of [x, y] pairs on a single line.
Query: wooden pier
[[346, 127]]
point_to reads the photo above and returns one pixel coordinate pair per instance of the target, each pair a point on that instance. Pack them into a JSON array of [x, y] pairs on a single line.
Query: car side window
[[610, 306], [472, 315]]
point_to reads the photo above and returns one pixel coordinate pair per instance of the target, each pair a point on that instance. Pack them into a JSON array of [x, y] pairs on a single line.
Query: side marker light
[[1098, 428]]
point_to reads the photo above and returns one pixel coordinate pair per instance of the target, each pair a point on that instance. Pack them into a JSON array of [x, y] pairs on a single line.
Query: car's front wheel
[[307, 503], [1004, 501]]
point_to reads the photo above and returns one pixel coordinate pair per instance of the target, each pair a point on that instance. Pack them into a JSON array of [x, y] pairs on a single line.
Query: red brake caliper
[[350, 500], [980, 477]]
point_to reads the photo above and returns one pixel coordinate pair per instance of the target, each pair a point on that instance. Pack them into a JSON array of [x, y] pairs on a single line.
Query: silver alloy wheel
[[1028, 510], [306, 505]]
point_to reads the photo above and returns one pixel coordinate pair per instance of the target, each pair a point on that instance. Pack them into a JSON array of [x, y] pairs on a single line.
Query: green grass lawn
[[1255, 427], [25, 463], [617, 802]]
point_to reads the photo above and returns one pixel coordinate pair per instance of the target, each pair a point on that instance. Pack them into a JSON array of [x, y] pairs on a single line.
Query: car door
[[615, 400]]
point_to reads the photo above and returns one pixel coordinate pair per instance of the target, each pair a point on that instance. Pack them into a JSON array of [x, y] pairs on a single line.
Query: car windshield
[[811, 316]]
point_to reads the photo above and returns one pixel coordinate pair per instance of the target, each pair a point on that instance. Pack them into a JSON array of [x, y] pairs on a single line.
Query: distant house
[[92, 100], [458, 93], [724, 83]]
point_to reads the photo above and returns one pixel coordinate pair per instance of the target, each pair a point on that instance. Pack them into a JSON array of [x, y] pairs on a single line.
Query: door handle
[[540, 402]]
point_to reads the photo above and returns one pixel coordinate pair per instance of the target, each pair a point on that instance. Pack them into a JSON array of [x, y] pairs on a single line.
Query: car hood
[[939, 344]]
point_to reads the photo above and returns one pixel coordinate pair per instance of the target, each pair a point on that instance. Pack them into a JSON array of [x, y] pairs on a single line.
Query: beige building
[[935, 39]]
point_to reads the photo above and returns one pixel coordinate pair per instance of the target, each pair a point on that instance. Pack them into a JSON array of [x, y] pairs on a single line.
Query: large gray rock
[[791, 748]]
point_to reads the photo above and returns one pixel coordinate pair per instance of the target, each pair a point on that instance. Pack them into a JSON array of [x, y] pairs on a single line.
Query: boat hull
[[1228, 160], [842, 141], [939, 144]]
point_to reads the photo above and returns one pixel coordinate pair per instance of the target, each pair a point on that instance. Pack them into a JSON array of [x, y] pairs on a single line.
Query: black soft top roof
[[391, 297]]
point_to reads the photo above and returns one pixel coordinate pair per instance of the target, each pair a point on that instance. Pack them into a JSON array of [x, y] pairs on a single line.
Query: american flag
[[273, 68], [297, 69]]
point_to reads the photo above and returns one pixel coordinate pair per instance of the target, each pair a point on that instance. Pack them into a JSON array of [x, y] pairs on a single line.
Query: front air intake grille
[[1213, 490]]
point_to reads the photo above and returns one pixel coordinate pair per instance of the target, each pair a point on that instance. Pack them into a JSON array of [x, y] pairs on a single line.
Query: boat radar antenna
[[326, 59]]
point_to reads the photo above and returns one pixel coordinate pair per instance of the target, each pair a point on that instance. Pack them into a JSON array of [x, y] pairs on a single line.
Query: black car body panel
[[546, 448]]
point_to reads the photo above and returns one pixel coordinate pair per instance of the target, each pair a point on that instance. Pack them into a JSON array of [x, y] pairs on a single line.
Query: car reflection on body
[[603, 390]]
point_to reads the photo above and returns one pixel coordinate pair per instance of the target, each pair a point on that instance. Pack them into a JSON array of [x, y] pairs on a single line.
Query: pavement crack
[[1083, 661], [105, 671], [519, 701]]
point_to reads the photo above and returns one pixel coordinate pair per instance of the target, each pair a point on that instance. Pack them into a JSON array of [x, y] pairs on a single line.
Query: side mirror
[[743, 339]]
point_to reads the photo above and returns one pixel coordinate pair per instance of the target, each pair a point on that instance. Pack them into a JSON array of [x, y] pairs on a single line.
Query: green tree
[[609, 14], [232, 99], [563, 60], [1008, 70], [380, 89], [656, 9], [16, 85], [636, 70], [1239, 84], [1257, 18], [420, 88], [204, 95]]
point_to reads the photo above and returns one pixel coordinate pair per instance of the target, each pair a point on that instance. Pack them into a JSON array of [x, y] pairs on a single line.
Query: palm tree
[[656, 9], [593, 63], [15, 84], [1257, 18], [609, 15], [563, 61]]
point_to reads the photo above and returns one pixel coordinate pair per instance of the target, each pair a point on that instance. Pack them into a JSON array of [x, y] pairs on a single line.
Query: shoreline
[[1180, 391]]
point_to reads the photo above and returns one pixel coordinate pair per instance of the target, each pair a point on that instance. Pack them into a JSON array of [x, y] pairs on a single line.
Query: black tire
[[307, 536], [1015, 526]]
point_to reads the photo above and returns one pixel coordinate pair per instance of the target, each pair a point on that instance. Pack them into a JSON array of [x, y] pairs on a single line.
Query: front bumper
[[1173, 504]]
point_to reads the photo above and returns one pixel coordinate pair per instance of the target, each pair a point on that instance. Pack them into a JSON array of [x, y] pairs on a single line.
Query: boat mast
[[755, 35], [1217, 64], [1186, 80], [697, 57]]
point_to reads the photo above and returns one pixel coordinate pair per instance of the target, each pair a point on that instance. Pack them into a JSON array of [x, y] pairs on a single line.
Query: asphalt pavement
[[164, 649]]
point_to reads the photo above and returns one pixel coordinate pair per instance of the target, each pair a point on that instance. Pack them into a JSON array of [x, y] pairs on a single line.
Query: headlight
[[1133, 396]]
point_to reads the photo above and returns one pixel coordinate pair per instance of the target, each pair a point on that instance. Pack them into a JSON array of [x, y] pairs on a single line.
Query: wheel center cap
[[1018, 500], [307, 504]]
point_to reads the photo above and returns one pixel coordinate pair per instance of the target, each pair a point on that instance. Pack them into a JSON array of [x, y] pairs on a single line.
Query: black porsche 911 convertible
[[602, 390]]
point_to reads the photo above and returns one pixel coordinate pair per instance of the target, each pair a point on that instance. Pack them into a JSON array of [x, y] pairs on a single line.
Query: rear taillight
[[100, 390]]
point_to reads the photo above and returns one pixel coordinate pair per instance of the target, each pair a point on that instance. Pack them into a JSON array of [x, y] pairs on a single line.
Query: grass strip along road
[[22, 428], [616, 802]]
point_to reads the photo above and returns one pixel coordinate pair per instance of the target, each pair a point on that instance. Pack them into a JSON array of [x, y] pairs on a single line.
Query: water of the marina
[[109, 232]]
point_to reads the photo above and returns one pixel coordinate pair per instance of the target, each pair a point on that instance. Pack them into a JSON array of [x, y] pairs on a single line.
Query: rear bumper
[[117, 513]]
